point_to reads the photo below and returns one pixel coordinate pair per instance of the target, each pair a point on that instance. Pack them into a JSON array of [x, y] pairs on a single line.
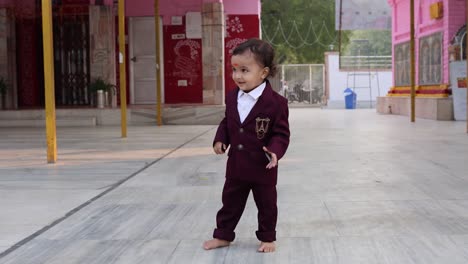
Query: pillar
[[102, 43], [213, 27], [102, 48]]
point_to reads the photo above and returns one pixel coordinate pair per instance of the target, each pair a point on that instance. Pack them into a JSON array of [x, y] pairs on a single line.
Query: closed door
[[143, 61]]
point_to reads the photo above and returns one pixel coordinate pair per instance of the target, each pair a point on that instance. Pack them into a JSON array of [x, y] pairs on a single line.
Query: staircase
[[172, 115], [36, 118]]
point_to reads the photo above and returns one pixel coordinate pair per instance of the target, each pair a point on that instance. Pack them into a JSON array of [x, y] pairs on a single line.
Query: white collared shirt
[[246, 101]]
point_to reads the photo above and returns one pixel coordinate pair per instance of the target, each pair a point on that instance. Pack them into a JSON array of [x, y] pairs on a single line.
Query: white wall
[[381, 82]]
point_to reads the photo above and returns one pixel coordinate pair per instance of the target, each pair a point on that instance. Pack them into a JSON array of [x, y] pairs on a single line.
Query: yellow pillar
[[51, 133], [123, 76], [412, 64], [158, 65]]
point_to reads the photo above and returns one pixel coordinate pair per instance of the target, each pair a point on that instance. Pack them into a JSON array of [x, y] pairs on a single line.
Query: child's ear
[[266, 71]]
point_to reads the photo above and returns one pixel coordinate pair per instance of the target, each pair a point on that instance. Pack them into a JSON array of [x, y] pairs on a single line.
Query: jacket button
[[241, 130], [240, 147]]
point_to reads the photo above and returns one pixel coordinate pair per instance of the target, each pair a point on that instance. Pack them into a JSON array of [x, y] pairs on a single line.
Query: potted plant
[[101, 88], [3, 92]]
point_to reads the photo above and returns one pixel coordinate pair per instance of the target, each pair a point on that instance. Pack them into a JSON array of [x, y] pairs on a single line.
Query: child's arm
[[222, 137], [279, 141]]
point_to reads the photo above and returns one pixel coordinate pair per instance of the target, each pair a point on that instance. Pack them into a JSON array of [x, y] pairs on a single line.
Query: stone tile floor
[[354, 187]]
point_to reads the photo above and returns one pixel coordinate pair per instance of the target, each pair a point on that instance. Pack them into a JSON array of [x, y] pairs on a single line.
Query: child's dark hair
[[263, 52]]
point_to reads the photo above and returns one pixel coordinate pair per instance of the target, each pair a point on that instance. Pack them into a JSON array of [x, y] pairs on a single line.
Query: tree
[[380, 42], [300, 30]]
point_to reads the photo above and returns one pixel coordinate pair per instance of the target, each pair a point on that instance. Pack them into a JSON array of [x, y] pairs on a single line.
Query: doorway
[[71, 55], [143, 60]]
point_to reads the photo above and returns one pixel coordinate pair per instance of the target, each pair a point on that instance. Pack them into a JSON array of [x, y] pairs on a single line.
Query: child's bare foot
[[215, 243], [267, 247]]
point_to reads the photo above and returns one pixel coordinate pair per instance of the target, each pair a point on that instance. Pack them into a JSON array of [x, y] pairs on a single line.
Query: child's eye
[[244, 70]]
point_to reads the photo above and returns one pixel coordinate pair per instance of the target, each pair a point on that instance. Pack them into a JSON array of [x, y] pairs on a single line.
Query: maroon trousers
[[235, 194]]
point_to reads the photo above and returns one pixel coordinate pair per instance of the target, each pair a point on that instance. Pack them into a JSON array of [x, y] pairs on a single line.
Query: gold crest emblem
[[261, 126]]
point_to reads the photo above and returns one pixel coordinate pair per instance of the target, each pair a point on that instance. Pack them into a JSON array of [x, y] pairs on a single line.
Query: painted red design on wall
[[239, 28], [183, 75], [185, 64]]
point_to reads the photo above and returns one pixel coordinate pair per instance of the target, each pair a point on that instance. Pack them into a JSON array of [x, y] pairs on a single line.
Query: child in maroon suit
[[256, 131]]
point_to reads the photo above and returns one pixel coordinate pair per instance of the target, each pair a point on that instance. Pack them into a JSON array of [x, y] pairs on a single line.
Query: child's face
[[247, 73]]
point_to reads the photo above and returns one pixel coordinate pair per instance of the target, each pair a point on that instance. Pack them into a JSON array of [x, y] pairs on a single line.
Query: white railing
[[365, 63], [300, 83]]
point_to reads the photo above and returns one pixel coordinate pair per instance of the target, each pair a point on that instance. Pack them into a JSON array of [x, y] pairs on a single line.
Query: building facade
[[197, 37], [439, 30]]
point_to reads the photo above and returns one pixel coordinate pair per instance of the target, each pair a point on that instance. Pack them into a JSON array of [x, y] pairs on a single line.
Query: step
[[60, 122], [427, 108]]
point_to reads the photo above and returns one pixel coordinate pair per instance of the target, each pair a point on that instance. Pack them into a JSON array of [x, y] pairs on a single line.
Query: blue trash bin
[[350, 98]]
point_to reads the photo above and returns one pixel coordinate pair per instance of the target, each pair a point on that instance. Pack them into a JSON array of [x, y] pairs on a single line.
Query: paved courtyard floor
[[354, 187]]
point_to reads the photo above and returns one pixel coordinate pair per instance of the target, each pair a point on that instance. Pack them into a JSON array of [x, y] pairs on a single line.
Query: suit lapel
[[262, 100], [233, 105]]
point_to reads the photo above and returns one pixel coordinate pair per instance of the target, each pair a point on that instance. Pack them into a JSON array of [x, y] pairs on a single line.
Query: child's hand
[[273, 161], [219, 147]]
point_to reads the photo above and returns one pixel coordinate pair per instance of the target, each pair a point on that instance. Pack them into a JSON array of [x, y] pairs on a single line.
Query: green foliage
[[321, 13], [3, 87], [100, 84], [380, 42]]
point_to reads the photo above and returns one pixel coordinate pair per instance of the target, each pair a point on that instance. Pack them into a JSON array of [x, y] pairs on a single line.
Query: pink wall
[[180, 7], [9, 2], [242, 7], [170, 8], [453, 18]]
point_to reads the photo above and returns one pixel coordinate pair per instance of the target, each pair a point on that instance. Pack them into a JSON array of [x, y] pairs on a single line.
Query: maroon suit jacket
[[266, 125]]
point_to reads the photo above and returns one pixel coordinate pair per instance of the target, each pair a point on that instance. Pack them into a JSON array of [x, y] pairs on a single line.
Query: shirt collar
[[255, 93]]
